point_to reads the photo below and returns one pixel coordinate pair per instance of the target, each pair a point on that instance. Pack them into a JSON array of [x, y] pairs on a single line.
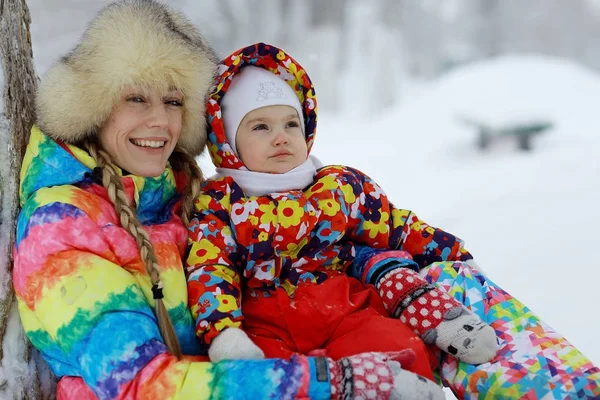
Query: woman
[[106, 184]]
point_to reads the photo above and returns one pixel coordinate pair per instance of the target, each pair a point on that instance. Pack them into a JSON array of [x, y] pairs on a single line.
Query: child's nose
[[281, 137]]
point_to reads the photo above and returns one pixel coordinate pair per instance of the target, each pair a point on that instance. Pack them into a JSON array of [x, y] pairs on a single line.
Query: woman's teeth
[[149, 143]]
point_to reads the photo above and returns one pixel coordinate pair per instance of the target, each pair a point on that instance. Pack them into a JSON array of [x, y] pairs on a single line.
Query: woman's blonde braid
[[183, 161], [112, 182]]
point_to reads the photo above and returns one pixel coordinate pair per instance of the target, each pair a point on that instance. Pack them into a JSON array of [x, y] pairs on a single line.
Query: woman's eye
[[175, 102], [260, 127], [135, 99]]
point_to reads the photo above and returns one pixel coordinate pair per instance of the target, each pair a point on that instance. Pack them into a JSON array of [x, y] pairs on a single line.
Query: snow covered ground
[[530, 219]]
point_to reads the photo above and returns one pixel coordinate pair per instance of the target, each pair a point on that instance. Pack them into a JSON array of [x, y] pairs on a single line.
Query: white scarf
[[261, 183]]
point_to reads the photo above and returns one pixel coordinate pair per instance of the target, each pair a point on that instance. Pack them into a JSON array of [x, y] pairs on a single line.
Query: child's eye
[[135, 98], [260, 127], [292, 124]]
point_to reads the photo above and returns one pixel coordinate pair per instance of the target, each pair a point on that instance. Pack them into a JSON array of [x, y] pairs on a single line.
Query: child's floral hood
[[276, 61]]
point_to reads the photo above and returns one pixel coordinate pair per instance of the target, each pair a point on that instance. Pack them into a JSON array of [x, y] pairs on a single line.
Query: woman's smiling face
[[142, 130]]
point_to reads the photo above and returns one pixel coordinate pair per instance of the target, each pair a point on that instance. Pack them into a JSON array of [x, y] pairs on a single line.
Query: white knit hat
[[255, 87]]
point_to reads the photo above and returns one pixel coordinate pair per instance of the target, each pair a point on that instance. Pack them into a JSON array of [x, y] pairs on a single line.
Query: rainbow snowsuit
[[85, 298]]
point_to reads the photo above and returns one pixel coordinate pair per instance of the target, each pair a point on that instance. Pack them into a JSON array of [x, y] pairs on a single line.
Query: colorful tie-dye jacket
[[85, 299], [253, 245]]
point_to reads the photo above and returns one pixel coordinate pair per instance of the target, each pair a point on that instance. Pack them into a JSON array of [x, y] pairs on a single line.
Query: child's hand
[[234, 344], [437, 317], [464, 335]]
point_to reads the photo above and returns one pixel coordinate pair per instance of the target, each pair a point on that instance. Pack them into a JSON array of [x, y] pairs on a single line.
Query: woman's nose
[[158, 116]]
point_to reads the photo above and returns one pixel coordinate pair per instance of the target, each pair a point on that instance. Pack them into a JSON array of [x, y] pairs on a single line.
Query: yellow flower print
[[288, 287], [375, 228], [227, 274], [326, 183], [227, 303], [399, 217], [290, 213], [269, 214], [291, 67], [228, 238], [213, 149], [203, 201], [349, 195], [253, 219], [281, 55], [227, 323], [336, 265], [203, 252], [263, 236], [293, 249], [329, 207], [416, 226], [226, 231], [299, 74]]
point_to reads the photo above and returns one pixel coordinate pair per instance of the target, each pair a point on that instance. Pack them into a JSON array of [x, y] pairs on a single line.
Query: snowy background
[[393, 78]]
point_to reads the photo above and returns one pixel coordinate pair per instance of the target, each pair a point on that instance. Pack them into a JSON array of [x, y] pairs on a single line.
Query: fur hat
[[252, 88], [130, 42]]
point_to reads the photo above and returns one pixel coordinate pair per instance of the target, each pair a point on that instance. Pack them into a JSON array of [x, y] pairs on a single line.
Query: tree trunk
[[19, 378]]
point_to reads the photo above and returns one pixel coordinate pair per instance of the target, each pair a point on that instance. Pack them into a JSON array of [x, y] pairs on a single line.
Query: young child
[[286, 257]]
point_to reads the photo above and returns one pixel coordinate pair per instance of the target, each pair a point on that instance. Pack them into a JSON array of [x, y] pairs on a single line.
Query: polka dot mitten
[[437, 317], [380, 376]]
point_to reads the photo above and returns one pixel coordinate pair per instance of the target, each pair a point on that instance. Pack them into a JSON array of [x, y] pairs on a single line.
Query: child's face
[[269, 139]]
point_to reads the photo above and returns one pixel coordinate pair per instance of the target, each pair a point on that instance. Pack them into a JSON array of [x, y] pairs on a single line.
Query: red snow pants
[[340, 316]]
